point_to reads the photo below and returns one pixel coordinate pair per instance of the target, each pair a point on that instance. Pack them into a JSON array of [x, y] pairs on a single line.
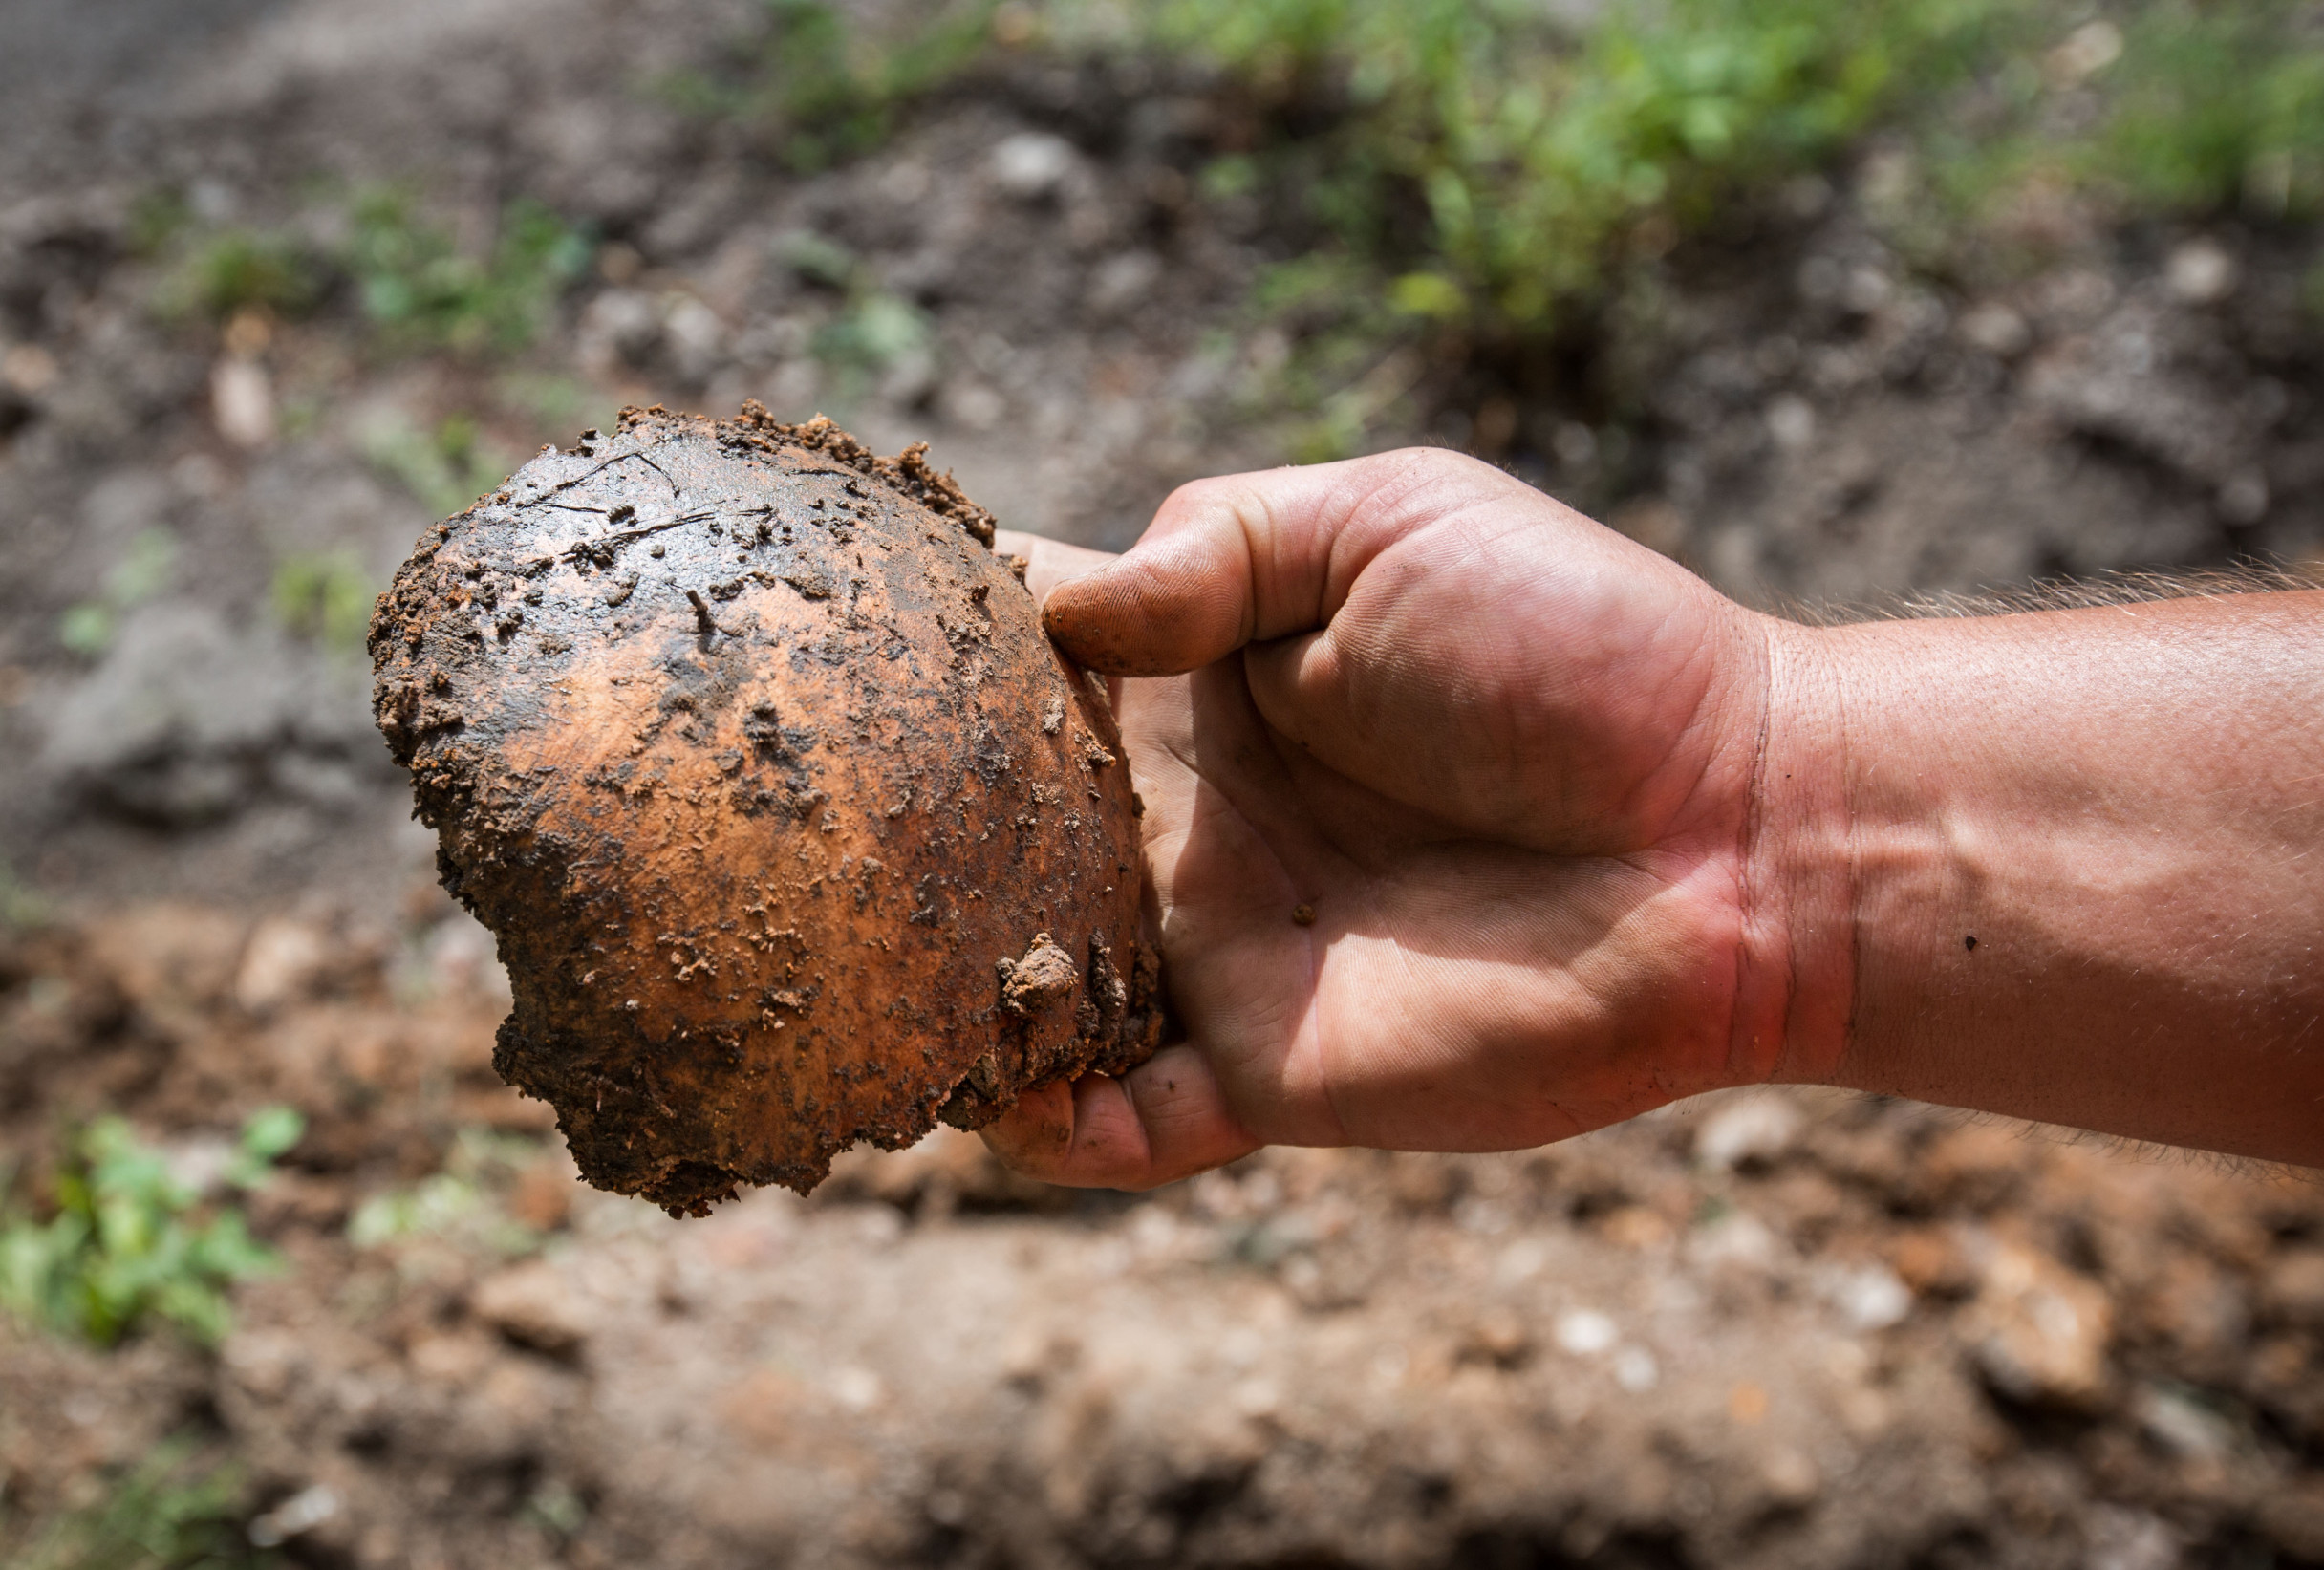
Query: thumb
[[1250, 557]]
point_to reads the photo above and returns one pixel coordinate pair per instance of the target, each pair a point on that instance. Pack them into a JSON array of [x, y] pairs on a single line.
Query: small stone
[[2087, 50], [1929, 1261], [1124, 281], [1790, 421], [1032, 165], [1585, 1332], [2200, 272], [242, 403], [2293, 1290], [857, 1389], [1870, 1296], [1635, 1369], [2038, 1331], [1635, 1226], [2243, 498], [281, 962], [532, 1305], [544, 1194], [2184, 1426], [28, 369], [295, 1516], [1748, 1130], [1791, 1478], [1498, 1338], [1867, 288], [1996, 328]]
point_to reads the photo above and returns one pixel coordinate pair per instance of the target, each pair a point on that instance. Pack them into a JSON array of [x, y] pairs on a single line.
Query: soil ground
[[1779, 1329]]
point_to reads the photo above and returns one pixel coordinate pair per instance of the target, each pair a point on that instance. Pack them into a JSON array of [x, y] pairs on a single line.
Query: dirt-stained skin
[[793, 827]]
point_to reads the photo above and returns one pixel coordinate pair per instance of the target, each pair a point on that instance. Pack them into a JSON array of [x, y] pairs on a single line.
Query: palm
[[1492, 837]]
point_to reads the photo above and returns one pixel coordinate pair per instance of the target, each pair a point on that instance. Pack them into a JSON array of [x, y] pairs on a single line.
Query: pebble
[[2038, 1331], [1585, 1332], [1032, 165], [1996, 328], [1750, 1128], [2200, 272], [530, 1304]]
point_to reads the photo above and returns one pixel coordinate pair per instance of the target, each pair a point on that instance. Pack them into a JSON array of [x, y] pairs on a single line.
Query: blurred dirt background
[[1775, 1330]]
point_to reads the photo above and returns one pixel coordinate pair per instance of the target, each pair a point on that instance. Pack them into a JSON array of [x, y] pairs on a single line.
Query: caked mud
[[794, 829]]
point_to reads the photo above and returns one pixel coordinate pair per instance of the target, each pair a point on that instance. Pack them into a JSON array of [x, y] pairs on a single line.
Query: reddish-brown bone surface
[[793, 828]]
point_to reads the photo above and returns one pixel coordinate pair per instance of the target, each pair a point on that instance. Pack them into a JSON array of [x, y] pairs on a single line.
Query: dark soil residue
[[765, 877]]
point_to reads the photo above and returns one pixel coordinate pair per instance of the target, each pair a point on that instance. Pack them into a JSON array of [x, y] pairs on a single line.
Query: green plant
[[236, 270], [22, 907], [129, 1241], [420, 289], [871, 331], [324, 595], [2213, 108], [171, 1511], [413, 284], [88, 628], [1463, 178], [824, 91], [460, 1204], [446, 469], [1495, 164], [157, 217]]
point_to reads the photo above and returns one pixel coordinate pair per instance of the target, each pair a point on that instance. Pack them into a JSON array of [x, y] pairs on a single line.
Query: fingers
[[1049, 561], [1256, 556], [1164, 1119]]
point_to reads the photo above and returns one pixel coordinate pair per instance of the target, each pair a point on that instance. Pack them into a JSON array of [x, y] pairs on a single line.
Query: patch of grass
[[1495, 165], [89, 628], [871, 331], [824, 91], [446, 468], [1465, 178], [1474, 175], [420, 289], [243, 270], [324, 595], [415, 286], [129, 1241], [460, 1204], [2212, 109], [157, 217], [819, 259], [169, 1512]]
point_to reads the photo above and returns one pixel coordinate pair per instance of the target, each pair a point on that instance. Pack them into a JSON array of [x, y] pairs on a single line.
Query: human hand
[[1448, 820]]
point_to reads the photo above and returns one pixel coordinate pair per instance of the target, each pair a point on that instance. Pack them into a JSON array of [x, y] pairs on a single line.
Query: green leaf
[[1430, 294], [86, 629], [129, 1242]]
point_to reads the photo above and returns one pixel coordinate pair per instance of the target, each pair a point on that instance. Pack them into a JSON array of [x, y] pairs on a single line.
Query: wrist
[[1796, 961]]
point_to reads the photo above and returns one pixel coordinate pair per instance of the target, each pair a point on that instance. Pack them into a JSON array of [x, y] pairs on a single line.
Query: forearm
[[2066, 866]]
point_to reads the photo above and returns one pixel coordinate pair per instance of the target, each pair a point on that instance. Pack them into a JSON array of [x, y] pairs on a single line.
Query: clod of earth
[[793, 827]]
